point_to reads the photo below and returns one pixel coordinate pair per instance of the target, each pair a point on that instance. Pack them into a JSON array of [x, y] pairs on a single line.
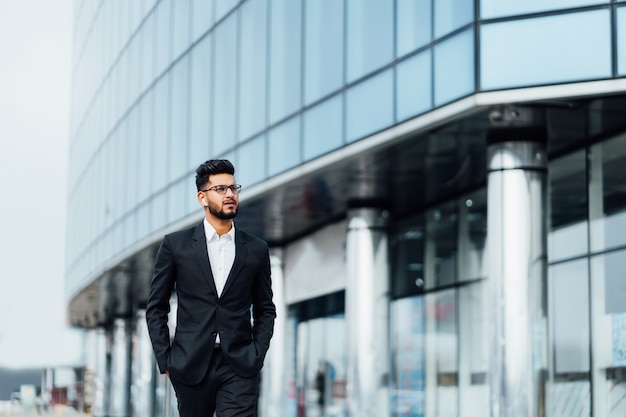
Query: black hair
[[212, 167]]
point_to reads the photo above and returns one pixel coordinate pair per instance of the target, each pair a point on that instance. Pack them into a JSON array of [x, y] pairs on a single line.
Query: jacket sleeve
[[264, 310], [158, 305]]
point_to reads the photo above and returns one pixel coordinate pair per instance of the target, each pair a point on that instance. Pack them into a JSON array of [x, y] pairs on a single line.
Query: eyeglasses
[[223, 189]]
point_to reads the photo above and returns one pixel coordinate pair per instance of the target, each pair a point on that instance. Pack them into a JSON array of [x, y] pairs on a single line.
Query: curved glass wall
[[162, 85]]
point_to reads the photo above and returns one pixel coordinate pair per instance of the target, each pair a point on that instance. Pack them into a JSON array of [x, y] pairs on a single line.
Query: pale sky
[[35, 87]]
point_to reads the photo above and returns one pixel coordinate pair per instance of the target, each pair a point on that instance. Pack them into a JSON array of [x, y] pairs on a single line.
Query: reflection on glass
[[408, 257], [253, 51], [251, 162], [607, 195], [369, 106], [440, 246], [621, 40], [163, 36], [608, 305], [176, 201], [284, 146], [222, 7], [472, 236], [567, 181], [543, 54], [323, 127], [159, 145], [408, 357], [285, 58], [413, 25], [369, 36], [146, 108], [451, 15], [201, 17], [200, 107], [500, 8], [181, 27], [225, 85], [413, 86], [454, 67], [323, 38], [179, 134]]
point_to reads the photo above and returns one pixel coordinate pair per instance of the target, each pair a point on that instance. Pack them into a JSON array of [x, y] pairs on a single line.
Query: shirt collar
[[211, 234]]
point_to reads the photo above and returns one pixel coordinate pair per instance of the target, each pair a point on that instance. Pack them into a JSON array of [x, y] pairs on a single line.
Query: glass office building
[[442, 184]]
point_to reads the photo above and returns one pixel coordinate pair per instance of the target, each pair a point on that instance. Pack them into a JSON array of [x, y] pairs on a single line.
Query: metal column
[[102, 377], [120, 369], [143, 370], [516, 239], [273, 387], [367, 313]]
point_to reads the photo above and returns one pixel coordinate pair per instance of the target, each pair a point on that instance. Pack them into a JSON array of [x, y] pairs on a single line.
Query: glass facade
[[162, 85]]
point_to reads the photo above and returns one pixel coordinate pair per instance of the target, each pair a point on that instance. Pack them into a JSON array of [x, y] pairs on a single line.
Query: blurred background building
[[442, 184]]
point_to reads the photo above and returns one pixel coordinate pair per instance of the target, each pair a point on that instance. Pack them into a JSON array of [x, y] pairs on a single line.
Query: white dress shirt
[[221, 250]]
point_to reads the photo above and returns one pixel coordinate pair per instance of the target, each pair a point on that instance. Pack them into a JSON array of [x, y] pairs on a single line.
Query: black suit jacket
[[183, 261]]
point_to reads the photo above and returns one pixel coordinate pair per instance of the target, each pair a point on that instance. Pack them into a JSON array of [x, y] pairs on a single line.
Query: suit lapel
[[241, 250], [202, 254]]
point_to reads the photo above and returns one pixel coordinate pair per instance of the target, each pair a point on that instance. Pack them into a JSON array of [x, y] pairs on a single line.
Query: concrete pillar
[[120, 369], [367, 313], [516, 240]]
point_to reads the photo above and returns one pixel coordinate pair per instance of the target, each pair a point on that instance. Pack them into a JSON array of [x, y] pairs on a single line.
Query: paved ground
[[8, 410]]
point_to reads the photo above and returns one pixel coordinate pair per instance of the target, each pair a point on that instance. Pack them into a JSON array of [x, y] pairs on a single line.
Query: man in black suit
[[225, 316]]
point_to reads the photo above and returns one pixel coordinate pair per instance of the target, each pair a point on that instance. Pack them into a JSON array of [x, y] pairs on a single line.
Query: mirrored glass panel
[[285, 64], [472, 236], [607, 194], [454, 67], [163, 33], [369, 36], [440, 246], [323, 128], [500, 8], [225, 85], [284, 146], [252, 68], [181, 26], [407, 249], [413, 25], [200, 97], [414, 93], [567, 185], [544, 55], [179, 125], [146, 109], [451, 15], [177, 201], [369, 106], [201, 17], [159, 140], [620, 14], [251, 162], [323, 48]]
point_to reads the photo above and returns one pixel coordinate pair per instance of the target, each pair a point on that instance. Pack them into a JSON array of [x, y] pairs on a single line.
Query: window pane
[[414, 86], [225, 85], [414, 28], [454, 68], [147, 52], [323, 128], [621, 40], [201, 17], [284, 146], [370, 106], [407, 360], [252, 68], [162, 46], [222, 7], [407, 246], [499, 8], [567, 178], [451, 15], [158, 179], [323, 61], [441, 246], [146, 145], [285, 58], [370, 36], [200, 111], [251, 162], [179, 137], [181, 10], [570, 317], [472, 236], [176, 200], [607, 194], [547, 55]]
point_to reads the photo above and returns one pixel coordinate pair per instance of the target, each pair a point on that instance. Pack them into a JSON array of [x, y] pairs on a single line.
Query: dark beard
[[220, 213]]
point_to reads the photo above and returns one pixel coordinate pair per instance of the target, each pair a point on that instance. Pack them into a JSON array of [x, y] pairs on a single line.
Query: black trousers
[[221, 391]]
